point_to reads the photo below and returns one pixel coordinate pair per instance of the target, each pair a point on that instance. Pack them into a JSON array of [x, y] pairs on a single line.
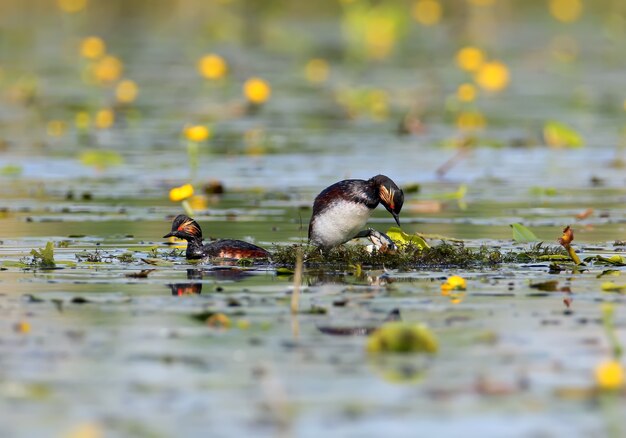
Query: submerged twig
[[297, 281]]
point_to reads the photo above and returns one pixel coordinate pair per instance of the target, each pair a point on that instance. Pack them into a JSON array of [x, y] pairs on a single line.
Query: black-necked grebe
[[186, 228], [341, 211]]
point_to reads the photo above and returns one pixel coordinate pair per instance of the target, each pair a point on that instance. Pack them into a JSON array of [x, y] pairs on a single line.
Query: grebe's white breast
[[339, 222]]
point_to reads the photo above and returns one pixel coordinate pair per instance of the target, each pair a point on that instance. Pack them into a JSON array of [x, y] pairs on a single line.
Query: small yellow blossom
[[453, 283], [317, 70], [126, 91], [82, 120], [470, 121], [566, 11], [470, 58], [104, 118], [197, 133], [212, 66], [198, 202], [72, 6], [610, 375], [179, 193], [257, 90], [22, 327], [492, 76], [108, 69], [56, 128], [219, 320], [427, 12], [93, 47], [466, 93]]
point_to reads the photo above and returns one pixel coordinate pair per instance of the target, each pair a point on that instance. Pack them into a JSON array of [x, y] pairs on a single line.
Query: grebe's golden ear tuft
[[387, 196], [190, 226]]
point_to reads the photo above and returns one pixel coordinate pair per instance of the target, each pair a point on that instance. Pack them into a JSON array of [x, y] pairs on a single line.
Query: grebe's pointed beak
[[397, 218], [169, 235]]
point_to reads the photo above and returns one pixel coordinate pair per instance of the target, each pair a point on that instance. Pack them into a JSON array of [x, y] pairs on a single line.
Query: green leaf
[[557, 134], [11, 170], [401, 239], [521, 234], [101, 158]]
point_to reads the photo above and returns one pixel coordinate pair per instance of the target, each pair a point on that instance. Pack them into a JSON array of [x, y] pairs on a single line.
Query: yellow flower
[[566, 11], [126, 91], [93, 47], [492, 76], [180, 193], [256, 90], [453, 283], [108, 69], [470, 121], [219, 320], [466, 93], [427, 12], [56, 128], [197, 133], [470, 58], [316, 70], [609, 375], [22, 327], [212, 66], [104, 119], [82, 120], [72, 6], [198, 202], [402, 337]]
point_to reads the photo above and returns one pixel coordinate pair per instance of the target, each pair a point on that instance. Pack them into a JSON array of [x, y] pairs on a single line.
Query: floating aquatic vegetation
[[522, 234], [407, 257], [402, 337], [44, 258]]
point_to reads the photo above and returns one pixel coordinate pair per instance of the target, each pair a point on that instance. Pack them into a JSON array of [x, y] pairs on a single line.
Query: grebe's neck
[[194, 248]]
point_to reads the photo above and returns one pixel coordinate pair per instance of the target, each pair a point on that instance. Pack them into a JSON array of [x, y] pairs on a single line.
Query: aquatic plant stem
[[297, 280], [187, 207]]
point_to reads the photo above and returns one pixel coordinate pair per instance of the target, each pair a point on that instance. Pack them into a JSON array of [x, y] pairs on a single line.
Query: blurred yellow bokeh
[[196, 133], [378, 104], [317, 70], [93, 47], [482, 2], [56, 128], [126, 91], [212, 66], [610, 375], [566, 11], [179, 193], [492, 76], [466, 93], [380, 35], [108, 69], [470, 121], [256, 90], [470, 58], [104, 118], [427, 12], [72, 6], [82, 120]]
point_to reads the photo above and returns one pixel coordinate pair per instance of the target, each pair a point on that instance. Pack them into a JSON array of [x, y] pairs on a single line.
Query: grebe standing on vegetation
[[341, 211]]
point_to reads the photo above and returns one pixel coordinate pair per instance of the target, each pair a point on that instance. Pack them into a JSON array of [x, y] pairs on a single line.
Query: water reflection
[[191, 288], [215, 273]]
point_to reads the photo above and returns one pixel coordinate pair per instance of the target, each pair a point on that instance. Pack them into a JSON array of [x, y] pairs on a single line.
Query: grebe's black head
[[186, 228], [391, 196]]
